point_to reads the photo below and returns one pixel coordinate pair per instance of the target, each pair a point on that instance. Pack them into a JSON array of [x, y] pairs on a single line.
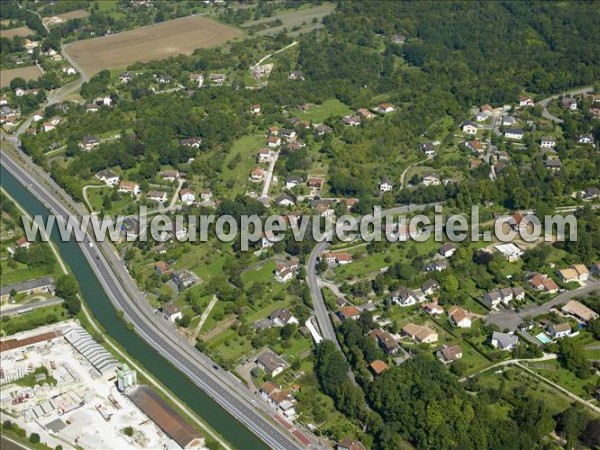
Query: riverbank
[[88, 322]]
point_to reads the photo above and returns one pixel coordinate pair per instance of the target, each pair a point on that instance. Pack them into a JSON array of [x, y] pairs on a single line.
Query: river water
[[104, 313]]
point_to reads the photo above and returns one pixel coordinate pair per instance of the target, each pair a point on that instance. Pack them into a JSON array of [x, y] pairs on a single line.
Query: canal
[[105, 314]]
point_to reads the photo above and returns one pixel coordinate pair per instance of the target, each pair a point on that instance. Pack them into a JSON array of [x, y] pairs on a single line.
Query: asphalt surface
[[221, 386], [544, 102], [507, 318], [319, 306], [12, 310]]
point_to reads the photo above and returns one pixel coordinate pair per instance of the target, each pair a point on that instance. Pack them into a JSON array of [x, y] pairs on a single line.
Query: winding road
[[544, 103]]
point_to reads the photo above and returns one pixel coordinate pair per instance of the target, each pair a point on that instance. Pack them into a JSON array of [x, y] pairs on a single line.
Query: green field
[[329, 108], [247, 147], [21, 273], [553, 371], [303, 18]]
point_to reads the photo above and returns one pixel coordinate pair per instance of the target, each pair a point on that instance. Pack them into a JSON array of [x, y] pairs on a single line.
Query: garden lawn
[[329, 108]]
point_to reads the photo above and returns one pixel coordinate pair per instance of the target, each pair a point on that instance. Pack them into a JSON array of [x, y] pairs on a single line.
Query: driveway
[[508, 318]]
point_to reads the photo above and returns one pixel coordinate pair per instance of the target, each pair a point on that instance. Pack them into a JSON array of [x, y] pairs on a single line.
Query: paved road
[[544, 103], [321, 312], [269, 176], [507, 318], [12, 310], [220, 385]]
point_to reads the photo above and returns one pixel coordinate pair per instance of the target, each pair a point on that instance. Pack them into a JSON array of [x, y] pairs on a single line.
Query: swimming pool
[[543, 338]]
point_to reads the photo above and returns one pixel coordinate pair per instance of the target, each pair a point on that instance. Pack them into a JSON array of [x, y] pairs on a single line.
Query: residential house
[[265, 155], [433, 309], [162, 268], [338, 257], [271, 363], [482, 116], [273, 130], [404, 297], [257, 174], [586, 139], [503, 296], [289, 135], [447, 250], [22, 242], [378, 367], [510, 251], [255, 109], [449, 354], [431, 179], [508, 121], [292, 181], [420, 333], [349, 312], [475, 164], [129, 187], [428, 148], [284, 402], [525, 101], [476, 146], [386, 185], [548, 142], [351, 121], [398, 39], [193, 142], [350, 444], [273, 141], [591, 193], [576, 272], [504, 341], [169, 175], [570, 103], [91, 107], [437, 266], [514, 133], [157, 196], [385, 340], [217, 79], [108, 177], [164, 79], [559, 330], [187, 196], [365, 113], [315, 182], [469, 127], [171, 311], [285, 200], [542, 283], [579, 311], [281, 317], [554, 164], [323, 208], [206, 195], [267, 389], [322, 129], [123, 76], [385, 108], [283, 273], [296, 75], [184, 278], [197, 78], [89, 142], [430, 287], [459, 317]]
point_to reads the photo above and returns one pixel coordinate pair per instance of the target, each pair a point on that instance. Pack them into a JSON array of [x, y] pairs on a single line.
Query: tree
[[34, 438], [66, 286], [572, 356], [128, 431]]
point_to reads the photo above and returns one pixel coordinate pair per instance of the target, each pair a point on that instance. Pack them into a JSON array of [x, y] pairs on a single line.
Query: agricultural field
[[20, 31], [179, 36], [297, 22], [28, 73], [77, 14]]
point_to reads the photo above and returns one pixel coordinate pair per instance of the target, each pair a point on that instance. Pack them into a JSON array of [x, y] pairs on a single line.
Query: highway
[[220, 385], [223, 387]]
